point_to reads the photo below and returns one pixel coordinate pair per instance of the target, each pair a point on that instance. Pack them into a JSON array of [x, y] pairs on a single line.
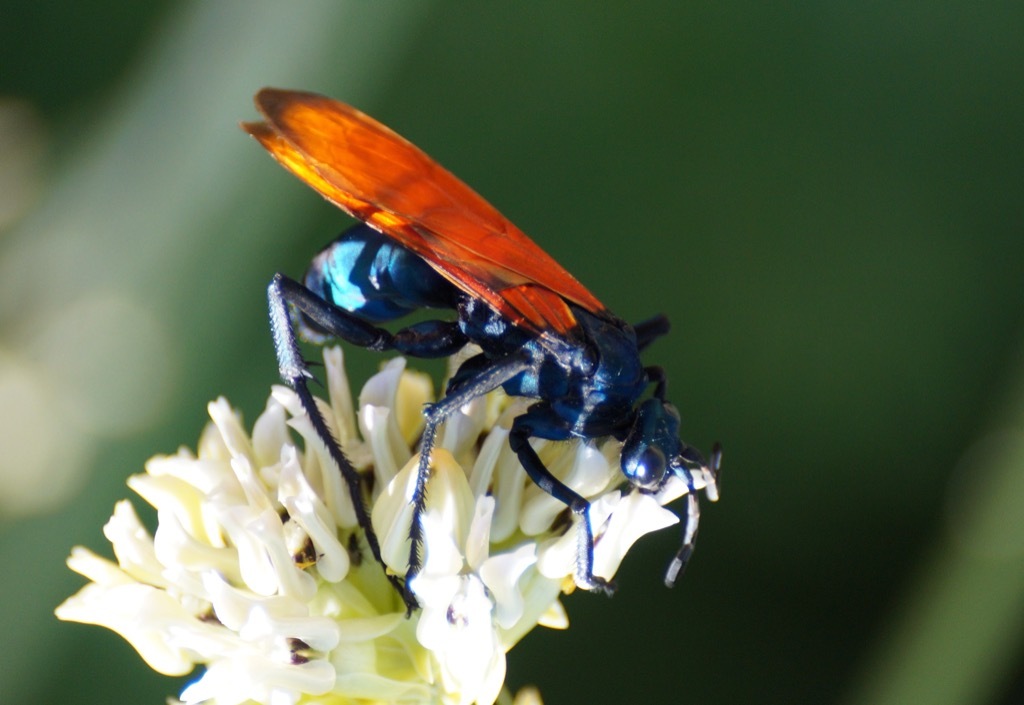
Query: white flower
[[257, 569]]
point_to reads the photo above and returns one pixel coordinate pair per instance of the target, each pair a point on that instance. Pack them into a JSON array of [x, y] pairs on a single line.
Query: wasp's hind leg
[[295, 372], [426, 339]]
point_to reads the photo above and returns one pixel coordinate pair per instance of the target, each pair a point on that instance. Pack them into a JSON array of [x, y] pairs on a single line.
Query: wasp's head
[[652, 453], [652, 450]]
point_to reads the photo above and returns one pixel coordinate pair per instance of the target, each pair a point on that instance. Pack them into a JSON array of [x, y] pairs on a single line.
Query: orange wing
[[384, 180]]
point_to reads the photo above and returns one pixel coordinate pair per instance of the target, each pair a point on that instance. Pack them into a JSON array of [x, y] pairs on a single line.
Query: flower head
[[257, 569]]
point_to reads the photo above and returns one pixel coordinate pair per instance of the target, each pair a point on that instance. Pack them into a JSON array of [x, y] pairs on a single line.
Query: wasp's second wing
[[383, 179]]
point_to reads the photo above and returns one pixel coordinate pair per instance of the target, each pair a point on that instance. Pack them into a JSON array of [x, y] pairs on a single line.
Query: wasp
[[428, 241]]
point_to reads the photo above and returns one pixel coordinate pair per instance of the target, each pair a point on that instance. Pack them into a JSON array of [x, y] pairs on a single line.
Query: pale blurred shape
[[528, 696], [43, 458], [99, 367], [111, 358], [956, 638], [984, 516]]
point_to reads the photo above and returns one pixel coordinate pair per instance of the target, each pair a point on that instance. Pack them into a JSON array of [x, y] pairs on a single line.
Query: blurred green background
[[826, 198]]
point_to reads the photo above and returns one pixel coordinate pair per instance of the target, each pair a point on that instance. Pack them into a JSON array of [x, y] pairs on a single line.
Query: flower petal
[[143, 615]]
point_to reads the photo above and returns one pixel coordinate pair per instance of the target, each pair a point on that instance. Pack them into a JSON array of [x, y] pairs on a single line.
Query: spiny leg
[[540, 422], [426, 339], [296, 374], [433, 338], [487, 379]]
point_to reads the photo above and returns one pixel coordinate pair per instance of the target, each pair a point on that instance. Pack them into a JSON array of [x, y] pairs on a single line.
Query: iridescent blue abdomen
[[372, 276]]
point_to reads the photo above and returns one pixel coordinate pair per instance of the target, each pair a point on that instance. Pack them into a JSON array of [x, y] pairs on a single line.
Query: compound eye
[[647, 471]]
